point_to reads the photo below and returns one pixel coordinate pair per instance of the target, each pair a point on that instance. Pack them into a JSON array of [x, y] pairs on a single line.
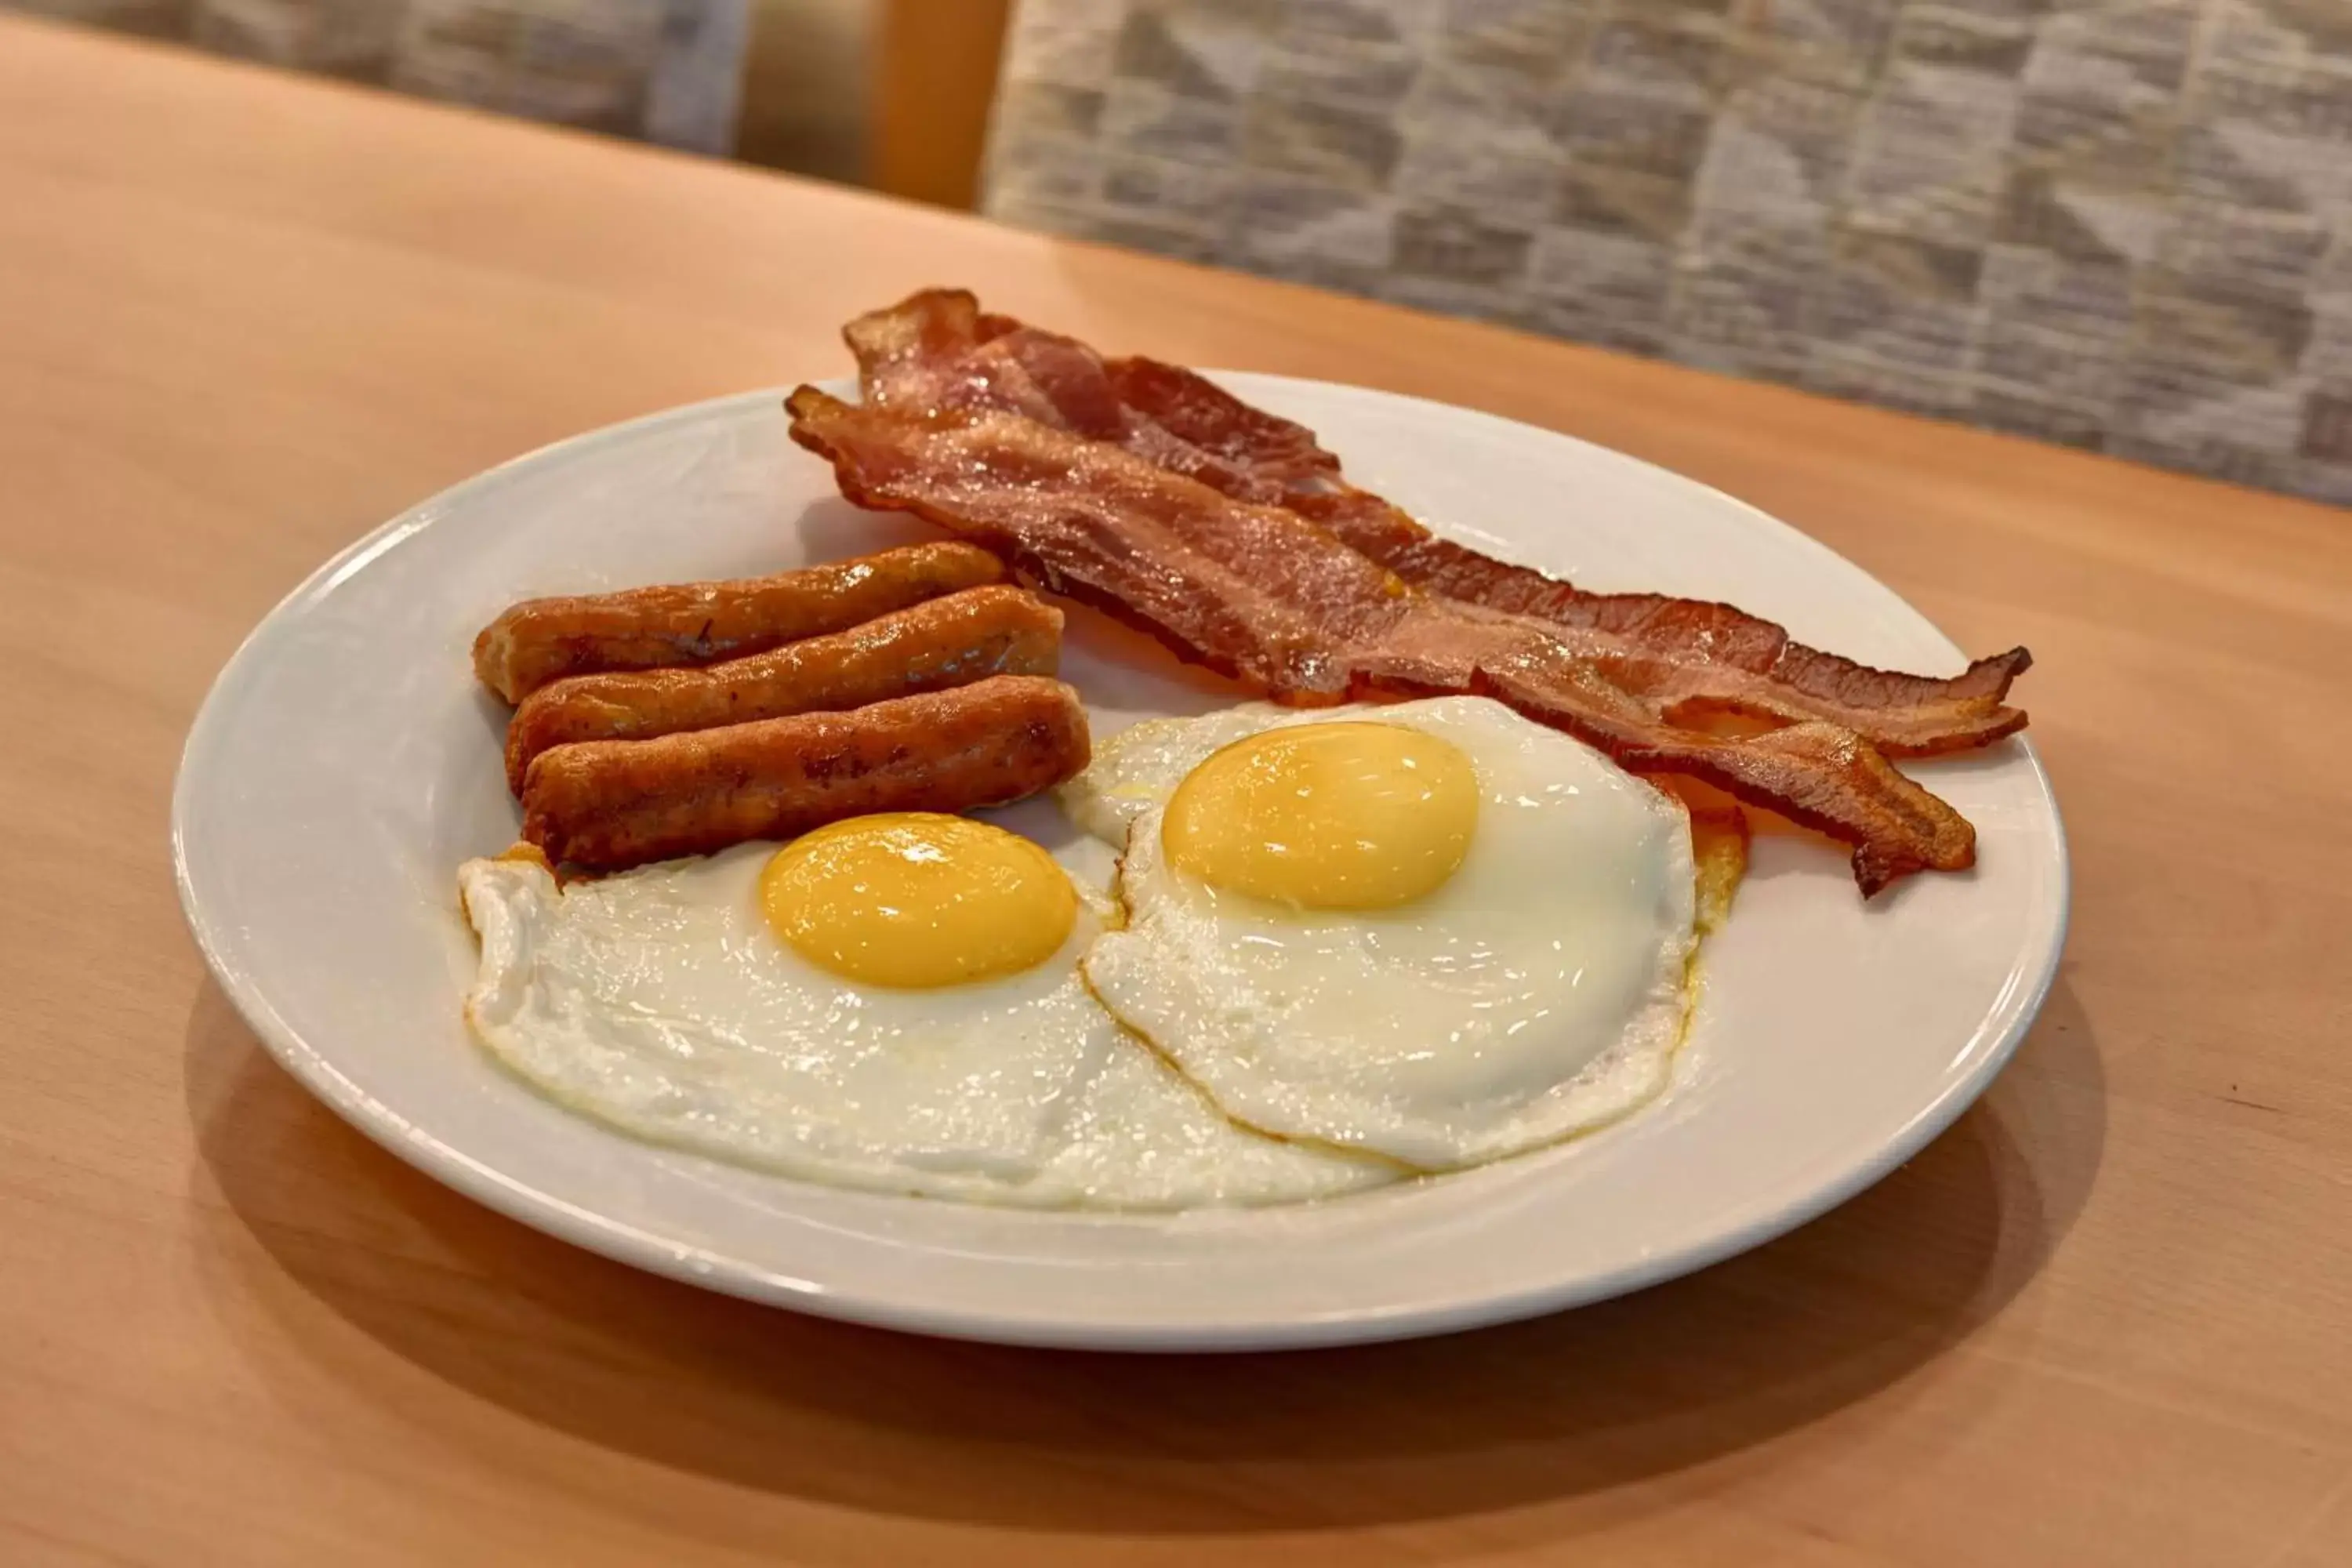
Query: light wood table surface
[[244, 318]]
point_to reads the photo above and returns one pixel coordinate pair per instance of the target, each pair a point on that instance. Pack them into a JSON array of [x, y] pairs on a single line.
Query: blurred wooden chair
[[661, 71]]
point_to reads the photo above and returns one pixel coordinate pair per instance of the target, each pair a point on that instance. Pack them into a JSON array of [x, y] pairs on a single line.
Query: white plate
[[345, 762]]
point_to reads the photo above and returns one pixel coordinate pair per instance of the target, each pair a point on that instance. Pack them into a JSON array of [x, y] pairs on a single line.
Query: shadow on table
[[1579, 1402]]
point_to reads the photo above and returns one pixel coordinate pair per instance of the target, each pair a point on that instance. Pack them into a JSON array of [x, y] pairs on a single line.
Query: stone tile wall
[[2123, 225]]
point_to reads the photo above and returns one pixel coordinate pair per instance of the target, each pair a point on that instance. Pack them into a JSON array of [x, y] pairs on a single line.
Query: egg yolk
[[918, 899], [1325, 817]]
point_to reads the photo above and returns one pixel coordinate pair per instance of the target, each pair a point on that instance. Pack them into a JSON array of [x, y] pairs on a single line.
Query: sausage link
[[541, 640], [607, 804], [930, 647]]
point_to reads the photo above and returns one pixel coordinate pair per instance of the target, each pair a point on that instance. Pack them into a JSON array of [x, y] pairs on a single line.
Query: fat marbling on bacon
[[1691, 659], [1262, 594]]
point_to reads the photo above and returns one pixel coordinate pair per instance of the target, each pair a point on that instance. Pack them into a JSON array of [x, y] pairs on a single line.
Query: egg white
[[661, 1003], [1537, 992]]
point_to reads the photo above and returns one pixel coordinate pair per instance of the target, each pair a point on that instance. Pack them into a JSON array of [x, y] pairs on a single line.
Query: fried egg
[[1435, 930], [892, 1002]]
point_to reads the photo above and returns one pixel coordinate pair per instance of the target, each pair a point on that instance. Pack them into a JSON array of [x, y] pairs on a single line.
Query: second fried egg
[[1434, 930]]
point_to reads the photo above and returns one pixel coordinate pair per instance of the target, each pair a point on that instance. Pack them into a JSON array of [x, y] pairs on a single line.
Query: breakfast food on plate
[[926, 1004], [604, 805], [892, 1004], [930, 647], [1347, 942], [1144, 490], [1261, 592], [1434, 930], [938, 350], [539, 641]]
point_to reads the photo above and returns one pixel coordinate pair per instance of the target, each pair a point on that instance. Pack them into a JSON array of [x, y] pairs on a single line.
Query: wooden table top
[[244, 318]]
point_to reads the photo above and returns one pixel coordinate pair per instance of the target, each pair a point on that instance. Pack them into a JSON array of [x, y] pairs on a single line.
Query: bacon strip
[[1262, 594], [1691, 659]]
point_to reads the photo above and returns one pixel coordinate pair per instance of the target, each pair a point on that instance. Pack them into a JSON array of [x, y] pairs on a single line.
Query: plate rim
[[554, 1216]]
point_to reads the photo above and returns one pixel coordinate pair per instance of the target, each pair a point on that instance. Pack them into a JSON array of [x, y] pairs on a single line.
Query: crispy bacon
[[1691, 659], [1262, 594]]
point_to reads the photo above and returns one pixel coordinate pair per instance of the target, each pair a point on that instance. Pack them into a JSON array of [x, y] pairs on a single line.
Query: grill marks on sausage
[[941, 643], [911, 680], [541, 640], [607, 805]]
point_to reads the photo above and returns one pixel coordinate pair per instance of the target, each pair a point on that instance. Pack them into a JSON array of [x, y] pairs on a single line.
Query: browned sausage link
[[953, 641], [605, 805], [694, 623]]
